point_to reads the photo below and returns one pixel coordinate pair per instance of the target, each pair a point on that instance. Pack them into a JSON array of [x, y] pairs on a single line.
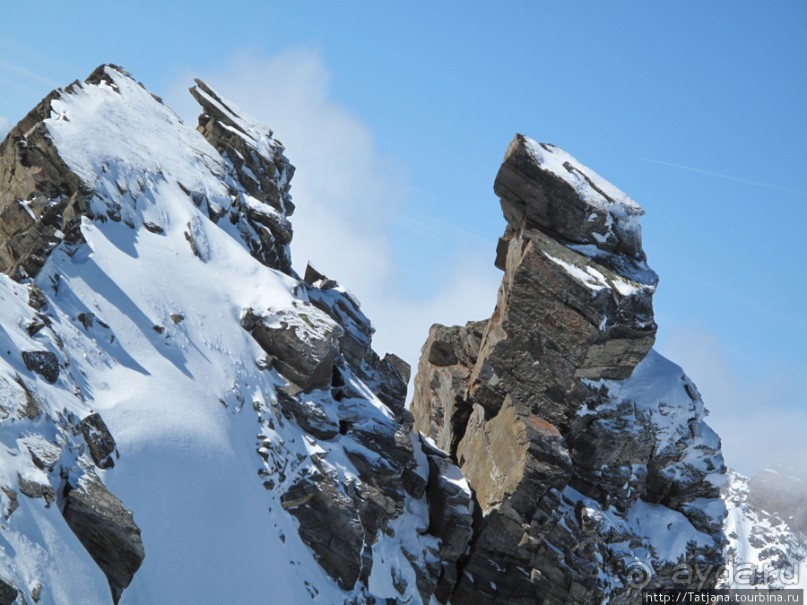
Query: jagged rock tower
[[590, 462]]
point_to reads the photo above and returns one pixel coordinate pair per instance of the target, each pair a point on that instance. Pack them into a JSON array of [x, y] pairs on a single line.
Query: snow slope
[[145, 321]]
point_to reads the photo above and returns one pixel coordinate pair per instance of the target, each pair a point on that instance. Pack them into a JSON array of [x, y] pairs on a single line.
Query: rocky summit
[[586, 451], [187, 419]]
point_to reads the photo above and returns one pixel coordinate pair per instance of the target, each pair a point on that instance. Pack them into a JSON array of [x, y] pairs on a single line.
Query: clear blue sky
[[698, 110]]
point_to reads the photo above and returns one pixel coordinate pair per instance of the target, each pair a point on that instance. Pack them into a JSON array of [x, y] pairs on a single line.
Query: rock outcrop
[[106, 529], [571, 432], [255, 160], [99, 440], [354, 409], [44, 363], [41, 200], [387, 376]]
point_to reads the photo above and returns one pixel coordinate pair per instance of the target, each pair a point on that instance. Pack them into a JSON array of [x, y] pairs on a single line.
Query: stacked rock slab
[[528, 402], [257, 163]]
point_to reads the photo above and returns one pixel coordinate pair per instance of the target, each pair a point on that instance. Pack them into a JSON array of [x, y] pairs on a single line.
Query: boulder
[[303, 345], [99, 440], [542, 186], [8, 593], [44, 363], [106, 529]]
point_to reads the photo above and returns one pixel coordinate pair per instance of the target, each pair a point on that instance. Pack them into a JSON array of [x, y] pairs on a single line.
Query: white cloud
[[350, 197], [5, 126], [755, 415]]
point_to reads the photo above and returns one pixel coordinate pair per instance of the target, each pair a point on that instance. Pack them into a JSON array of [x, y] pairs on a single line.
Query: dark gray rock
[[329, 524], [387, 377], [533, 194], [13, 502], [303, 345], [8, 593], [450, 519], [36, 297], [44, 363], [106, 529], [44, 453], [33, 407], [99, 440], [36, 489], [309, 415], [552, 328]]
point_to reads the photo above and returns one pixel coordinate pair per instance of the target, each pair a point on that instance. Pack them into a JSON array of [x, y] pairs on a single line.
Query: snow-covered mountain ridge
[[255, 444], [184, 418]]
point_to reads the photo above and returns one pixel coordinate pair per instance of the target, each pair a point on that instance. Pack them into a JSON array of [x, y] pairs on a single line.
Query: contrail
[[27, 73], [726, 177]]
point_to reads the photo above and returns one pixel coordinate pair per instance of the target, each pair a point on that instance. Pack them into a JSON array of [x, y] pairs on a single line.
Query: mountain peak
[[108, 149]]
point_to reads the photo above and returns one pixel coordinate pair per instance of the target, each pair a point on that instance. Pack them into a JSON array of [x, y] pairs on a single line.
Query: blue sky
[[397, 116]]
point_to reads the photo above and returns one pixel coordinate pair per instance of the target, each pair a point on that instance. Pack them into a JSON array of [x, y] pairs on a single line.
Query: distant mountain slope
[[767, 547]]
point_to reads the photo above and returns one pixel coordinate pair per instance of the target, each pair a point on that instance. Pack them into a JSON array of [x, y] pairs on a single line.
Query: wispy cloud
[[726, 177], [26, 73], [5, 125]]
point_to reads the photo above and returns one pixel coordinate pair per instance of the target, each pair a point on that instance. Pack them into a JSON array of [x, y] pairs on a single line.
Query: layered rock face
[[184, 418], [578, 441]]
